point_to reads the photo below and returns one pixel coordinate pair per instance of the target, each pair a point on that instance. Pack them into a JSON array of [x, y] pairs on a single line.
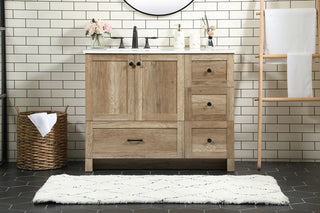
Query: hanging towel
[[299, 82], [43, 122], [291, 31]]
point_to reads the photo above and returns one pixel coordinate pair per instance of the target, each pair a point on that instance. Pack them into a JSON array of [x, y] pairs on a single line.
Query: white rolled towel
[[43, 122]]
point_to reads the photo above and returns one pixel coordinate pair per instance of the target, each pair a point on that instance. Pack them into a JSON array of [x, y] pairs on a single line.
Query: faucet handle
[[147, 46], [121, 46]]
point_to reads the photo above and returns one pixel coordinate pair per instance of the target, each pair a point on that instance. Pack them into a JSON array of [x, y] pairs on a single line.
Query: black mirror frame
[[158, 14]]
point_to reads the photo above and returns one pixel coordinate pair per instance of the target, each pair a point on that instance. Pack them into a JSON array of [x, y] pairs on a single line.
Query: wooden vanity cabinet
[[160, 106]]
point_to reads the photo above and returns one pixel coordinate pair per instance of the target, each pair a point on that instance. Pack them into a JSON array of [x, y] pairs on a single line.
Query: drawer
[[134, 142], [209, 73], [208, 139], [209, 104], [208, 107]]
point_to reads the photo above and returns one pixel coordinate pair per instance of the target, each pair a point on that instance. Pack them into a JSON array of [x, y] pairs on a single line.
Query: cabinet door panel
[[159, 81], [110, 95]]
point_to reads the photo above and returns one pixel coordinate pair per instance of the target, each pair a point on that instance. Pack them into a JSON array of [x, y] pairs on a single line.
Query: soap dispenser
[[179, 38]]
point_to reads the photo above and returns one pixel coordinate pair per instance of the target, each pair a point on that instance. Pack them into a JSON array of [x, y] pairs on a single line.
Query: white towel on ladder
[[299, 82], [291, 31]]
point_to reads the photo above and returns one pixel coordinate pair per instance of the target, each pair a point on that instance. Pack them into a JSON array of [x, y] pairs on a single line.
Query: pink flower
[[107, 27], [98, 27]]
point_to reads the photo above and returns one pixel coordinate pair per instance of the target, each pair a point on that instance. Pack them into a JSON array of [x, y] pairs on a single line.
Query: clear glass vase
[[96, 41], [211, 42]]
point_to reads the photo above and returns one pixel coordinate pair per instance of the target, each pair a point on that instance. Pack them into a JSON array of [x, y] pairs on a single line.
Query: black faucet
[[135, 37]]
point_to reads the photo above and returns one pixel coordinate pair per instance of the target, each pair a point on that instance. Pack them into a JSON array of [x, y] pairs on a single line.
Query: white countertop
[[159, 51]]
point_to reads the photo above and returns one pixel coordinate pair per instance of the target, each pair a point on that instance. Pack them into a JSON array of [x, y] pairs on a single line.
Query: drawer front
[[209, 103], [209, 140], [132, 142], [209, 107], [209, 73]]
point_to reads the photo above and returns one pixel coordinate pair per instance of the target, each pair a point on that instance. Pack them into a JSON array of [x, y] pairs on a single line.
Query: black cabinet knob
[[131, 64], [138, 63], [209, 140], [209, 70], [209, 104]]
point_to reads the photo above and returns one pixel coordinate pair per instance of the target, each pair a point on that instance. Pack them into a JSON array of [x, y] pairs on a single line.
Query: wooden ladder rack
[[261, 56]]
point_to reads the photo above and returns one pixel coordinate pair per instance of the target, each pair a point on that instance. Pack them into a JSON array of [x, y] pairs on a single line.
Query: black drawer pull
[[131, 64], [134, 140], [209, 104], [209, 70], [209, 140], [138, 63]]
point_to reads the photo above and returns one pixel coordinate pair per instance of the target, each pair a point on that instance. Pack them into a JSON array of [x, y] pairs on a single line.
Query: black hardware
[[209, 70], [131, 64], [138, 63], [135, 44], [3, 97], [147, 46], [209, 140], [134, 140], [121, 46], [209, 104]]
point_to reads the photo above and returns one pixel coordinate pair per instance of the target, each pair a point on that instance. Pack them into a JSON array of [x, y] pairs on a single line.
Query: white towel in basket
[[43, 121]]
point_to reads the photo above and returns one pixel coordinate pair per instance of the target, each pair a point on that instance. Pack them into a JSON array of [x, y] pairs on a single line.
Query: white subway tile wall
[[46, 68]]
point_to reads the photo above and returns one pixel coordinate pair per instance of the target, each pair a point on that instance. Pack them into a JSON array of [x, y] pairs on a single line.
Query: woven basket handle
[[17, 110], [66, 109]]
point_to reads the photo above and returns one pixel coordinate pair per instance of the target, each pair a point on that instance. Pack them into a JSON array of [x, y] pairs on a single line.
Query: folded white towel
[[299, 75], [43, 122]]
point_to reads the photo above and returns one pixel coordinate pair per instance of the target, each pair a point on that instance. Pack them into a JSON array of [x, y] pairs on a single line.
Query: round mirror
[[158, 7]]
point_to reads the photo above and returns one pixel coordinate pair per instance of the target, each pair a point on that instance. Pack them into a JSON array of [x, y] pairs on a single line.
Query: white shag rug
[[110, 189]]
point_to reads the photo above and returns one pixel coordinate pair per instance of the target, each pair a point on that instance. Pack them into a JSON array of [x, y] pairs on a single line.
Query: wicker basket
[[35, 152]]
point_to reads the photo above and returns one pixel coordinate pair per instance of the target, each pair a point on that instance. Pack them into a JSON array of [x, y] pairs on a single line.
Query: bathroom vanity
[[159, 104]]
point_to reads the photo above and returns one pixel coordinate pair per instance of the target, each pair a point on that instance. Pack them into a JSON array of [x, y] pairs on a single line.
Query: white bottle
[[179, 38]]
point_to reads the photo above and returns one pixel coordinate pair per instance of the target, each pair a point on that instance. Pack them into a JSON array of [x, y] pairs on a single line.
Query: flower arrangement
[[208, 30], [95, 29]]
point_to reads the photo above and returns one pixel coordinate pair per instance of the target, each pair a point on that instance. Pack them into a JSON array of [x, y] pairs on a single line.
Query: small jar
[[194, 41]]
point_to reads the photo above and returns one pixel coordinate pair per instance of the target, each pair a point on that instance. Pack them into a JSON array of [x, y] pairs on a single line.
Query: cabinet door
[[109, 87], [160, 87]]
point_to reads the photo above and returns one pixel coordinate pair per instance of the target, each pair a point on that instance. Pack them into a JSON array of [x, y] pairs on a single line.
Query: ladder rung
[[284, 56], [287, 99]]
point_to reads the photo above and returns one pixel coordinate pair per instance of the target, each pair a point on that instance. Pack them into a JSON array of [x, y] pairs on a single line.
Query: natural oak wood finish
[[209, 70], [157, 108], [287, 99], [159, 76], [197, 134], [89, 162], [209, 103], [134, 141], [275, 56], [110, 88]]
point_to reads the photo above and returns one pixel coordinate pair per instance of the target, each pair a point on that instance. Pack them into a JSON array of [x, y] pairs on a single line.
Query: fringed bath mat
[[111, 189]]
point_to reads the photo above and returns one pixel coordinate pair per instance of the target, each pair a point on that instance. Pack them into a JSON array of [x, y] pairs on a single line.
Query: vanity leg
[[89, 165], [230, 165]]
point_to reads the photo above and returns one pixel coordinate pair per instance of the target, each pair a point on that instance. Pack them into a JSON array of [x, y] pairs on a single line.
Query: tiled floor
[[299, 181]]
